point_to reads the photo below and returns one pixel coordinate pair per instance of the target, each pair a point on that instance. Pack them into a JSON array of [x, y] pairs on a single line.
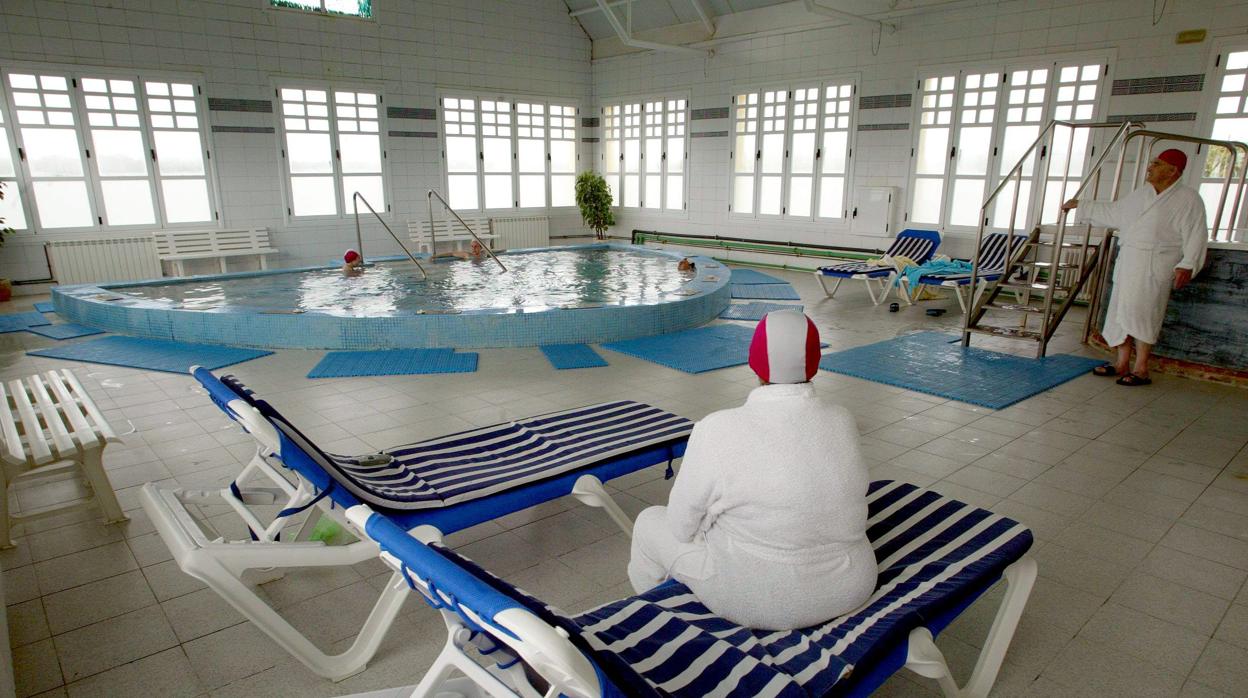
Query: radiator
[[521, 231], [131, 258]]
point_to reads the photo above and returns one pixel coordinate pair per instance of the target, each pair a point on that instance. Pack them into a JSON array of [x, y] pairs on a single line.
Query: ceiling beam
[[627, 39], [705, 14], [594, 8], [815, 8]]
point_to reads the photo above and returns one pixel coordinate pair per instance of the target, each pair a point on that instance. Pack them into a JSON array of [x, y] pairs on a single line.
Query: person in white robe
[[766, 521], [1162, 236]]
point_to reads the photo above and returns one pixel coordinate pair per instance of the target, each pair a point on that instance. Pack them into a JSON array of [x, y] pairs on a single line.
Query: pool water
[[573, 278]]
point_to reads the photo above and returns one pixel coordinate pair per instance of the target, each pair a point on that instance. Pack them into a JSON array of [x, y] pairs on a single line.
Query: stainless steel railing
[[433, 240], [359, 238]]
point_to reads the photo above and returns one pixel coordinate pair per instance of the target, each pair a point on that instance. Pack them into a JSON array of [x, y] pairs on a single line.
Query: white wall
[[988, 31], [411, 49]]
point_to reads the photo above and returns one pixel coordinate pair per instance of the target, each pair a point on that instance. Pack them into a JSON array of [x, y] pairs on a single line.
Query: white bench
[[178, 246], [448, 231], [49, 426]]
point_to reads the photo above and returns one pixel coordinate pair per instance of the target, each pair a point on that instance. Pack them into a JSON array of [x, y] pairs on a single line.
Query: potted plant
[[593, 196], [6, 288]]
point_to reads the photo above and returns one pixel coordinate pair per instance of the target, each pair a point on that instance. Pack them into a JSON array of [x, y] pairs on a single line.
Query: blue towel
[[950, 266]]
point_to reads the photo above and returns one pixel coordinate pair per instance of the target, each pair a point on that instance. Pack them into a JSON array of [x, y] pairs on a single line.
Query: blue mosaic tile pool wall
[[87, 305]]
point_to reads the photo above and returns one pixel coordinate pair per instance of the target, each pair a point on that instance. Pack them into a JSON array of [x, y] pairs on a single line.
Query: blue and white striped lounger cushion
[[473, 464], [992, 261], [915, 248], [934, 553]]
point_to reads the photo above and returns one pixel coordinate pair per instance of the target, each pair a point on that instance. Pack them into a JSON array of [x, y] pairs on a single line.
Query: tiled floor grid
[[1137, 497]]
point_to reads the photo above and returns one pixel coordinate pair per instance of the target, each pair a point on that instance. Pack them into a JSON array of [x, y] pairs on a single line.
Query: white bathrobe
[[1157, 233], [766, 521]]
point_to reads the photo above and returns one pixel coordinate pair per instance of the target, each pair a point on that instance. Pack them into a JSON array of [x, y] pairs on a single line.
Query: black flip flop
[[1105, 370], [1132, 380]]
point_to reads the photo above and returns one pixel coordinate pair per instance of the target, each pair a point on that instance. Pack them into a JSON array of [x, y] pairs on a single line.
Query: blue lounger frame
[[299, 491], [487, 618]]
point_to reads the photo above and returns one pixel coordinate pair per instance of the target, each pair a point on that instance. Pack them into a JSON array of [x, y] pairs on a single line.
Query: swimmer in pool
[[352, 263], [476, 251], [685, 264]]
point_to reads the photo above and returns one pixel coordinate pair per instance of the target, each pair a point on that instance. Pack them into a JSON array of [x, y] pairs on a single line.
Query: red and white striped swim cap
[[785, 348]]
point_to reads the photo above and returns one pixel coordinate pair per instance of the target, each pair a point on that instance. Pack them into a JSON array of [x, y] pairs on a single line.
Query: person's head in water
[[685, 264], [785, 348], [476, 250], [352, 263]]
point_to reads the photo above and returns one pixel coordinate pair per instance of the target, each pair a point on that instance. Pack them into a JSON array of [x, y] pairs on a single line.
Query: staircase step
[[1012, 332], [1061, 265], [1016, 307]]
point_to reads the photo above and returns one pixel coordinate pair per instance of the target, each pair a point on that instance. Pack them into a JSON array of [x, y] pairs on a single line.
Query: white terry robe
[[1157, 233], [766, 522]]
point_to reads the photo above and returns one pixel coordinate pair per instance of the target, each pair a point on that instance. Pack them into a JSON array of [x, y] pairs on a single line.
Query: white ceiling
[[656, 14]]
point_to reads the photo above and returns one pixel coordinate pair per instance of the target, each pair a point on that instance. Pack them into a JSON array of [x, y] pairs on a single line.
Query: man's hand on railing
[[1072, 203]]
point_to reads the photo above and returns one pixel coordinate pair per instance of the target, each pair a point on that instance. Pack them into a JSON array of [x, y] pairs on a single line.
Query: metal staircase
[[1060, 264]]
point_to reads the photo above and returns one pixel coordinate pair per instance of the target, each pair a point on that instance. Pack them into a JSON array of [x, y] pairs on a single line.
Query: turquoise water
[[534, 280]]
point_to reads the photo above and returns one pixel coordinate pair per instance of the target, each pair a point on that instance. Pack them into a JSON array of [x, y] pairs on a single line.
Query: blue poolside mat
[[45, 307], [393, 362], [692, 351], [16, 322], [753, 311], [770, 292], [151, 354], [565, 356], [65, 331], [749, 276], [928, 362]]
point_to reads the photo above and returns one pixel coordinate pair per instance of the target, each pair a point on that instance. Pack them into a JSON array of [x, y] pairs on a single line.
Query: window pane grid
[[931, 160], [834, 149], [333, 149], [173, 116], [1230, 123], [48, 130], [11, 209], [120, 154]]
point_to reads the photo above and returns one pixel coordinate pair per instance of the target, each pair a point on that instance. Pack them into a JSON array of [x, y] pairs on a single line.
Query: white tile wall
[[984, 31], [240, 46]]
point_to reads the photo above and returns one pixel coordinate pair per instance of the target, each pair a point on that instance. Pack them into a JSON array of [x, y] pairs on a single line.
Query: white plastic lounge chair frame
[[548, 651], [918, 245], [222, 564]]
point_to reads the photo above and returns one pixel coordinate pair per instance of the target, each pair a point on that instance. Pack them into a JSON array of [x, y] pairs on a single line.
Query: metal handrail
[[433, 238], [1016, 174], [359, 238], [1234, 147]]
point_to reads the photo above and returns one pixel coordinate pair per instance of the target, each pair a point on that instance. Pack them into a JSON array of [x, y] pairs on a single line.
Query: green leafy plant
[[4, 230], [593, 197]]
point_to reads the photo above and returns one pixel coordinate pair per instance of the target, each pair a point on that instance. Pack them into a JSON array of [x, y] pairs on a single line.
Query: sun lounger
[[936, 556], [992, 261], [916, 245], [430, 488]]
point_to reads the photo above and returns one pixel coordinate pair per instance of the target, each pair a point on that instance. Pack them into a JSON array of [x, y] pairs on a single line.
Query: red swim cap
[[1174, 157], [785, 348], [350, 256]]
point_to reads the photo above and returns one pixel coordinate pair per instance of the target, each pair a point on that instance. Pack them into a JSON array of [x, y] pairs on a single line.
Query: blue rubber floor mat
[[16, 322], [753, 311], [769, 292], [927, 362], [749, 276], [151, 354], [65, 331], [692, 351], [45, 307], [393, 362], [565, 356]]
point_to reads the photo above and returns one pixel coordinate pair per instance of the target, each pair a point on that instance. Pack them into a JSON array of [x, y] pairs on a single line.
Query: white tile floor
[[1138, 498]]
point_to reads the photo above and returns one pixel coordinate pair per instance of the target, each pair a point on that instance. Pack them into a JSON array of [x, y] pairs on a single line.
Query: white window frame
[[669, 102], [1215, 73], [323, 11], [512, 99], [344, 208], [23, 181], [996, 163], [790, 89]]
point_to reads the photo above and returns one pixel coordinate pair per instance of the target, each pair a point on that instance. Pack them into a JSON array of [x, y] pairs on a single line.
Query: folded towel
[[935, 266]]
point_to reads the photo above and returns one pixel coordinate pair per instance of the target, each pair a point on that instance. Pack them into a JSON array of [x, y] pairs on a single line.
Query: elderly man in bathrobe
[[1162, 233], [766, 522]]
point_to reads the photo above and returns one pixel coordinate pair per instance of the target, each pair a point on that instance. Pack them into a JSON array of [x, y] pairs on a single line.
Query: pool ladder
[[359, 238], [433, 237]]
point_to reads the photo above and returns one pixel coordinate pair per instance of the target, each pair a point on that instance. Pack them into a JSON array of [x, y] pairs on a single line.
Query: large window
[[508, 153], [791, 150], [332, 149], [1230, 123], [644, 152], [975, 124], [97, 150]]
